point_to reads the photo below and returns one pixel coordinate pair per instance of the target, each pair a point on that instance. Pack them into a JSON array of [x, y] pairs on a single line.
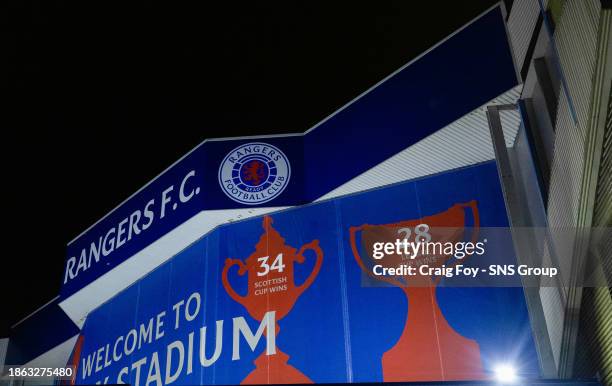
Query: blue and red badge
[[254, 173]]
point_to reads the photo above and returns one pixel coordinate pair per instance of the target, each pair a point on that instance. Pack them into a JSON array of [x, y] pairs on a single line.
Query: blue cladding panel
[[47, 328], [338, 329], [467, 70]]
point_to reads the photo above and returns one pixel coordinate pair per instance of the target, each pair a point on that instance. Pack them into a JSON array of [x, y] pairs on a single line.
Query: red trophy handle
[[313, 245], [74, 360], [353, 231], [228, 287], [474, 207], [475, 232]]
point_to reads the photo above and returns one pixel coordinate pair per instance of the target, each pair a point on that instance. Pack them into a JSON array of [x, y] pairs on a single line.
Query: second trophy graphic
[[271, 287], [429, 348]]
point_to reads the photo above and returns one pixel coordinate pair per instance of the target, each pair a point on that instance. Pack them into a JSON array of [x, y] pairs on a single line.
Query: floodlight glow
[[505, 373]]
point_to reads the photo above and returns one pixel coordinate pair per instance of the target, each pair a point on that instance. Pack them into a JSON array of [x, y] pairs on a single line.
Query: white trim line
[[420, 56], [498, 4], [57, 356], [171, 166], [140, 264], [35, 311]]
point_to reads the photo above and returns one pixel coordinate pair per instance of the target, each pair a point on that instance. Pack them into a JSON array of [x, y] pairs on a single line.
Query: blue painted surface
[[47, 328], [339, 328], [459, 75], [466, 71]]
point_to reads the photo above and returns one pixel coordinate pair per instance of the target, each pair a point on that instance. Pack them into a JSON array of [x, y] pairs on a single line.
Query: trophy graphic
[[271, 287], [429, 348], [73, 361]]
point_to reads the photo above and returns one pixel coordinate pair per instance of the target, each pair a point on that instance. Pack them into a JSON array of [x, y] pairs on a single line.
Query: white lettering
[[240, 326]]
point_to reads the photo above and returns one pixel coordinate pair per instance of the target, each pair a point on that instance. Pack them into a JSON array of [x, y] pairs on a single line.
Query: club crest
[[254, 173]]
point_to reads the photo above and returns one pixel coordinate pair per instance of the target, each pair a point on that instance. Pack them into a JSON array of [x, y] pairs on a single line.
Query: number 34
[[277, 265]]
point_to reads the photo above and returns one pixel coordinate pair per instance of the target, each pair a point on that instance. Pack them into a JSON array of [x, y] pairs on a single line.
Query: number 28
[[421, 233]]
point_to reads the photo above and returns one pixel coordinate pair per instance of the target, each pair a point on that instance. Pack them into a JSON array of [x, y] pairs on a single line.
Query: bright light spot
[[505, 373]]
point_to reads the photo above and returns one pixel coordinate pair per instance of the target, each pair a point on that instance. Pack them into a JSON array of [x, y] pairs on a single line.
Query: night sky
[[102, 98]]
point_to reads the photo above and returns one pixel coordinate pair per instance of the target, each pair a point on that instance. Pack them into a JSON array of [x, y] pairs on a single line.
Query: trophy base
[[429, 348], [459, 361], [273, 369]]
